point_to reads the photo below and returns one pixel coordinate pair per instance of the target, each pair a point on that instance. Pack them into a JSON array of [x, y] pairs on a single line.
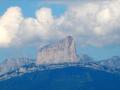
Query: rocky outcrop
[[59, 52]]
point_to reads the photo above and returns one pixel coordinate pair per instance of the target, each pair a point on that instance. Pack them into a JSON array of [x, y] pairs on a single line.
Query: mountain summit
[[58, 52]]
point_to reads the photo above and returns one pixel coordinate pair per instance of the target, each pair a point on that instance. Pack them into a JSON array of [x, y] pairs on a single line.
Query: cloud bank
[[96, 24]]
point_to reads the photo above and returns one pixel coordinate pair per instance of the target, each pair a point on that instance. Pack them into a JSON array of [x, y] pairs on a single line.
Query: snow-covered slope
[[58, 52], [112, 63], [67, 78], [29, 68], [12, 64]]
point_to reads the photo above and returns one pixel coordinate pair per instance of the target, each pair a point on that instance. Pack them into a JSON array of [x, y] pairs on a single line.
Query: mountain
[[112, 63], [61, 52], [67, 78], [59, 68], [12, 64], [83, 58], [58, 52]]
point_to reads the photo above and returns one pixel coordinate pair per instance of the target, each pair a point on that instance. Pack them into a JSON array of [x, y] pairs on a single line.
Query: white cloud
[[9, 24], [95, 24], [38, 28], [15, 29], [90, 23], [44, 16]]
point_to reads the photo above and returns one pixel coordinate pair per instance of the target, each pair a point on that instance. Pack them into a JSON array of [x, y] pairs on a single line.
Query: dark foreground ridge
[[67, 78]]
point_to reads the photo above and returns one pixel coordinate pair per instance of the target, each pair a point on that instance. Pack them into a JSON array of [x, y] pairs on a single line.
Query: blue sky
[[99, 48], [30, 6]]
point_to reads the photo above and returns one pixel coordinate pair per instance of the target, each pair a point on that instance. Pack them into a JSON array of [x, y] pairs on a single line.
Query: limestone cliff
[[58, 52]]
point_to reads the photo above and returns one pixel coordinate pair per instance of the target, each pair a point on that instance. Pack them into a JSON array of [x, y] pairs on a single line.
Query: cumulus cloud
[[44, 16], [15, 29], [9, 24], [37, 29], [90, 23], [93, 23]]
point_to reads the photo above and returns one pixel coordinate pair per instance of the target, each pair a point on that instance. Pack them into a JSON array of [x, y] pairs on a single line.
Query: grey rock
[[59, 52]]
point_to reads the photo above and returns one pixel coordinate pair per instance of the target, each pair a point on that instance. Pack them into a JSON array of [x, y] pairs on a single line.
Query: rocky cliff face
[[59, 52]]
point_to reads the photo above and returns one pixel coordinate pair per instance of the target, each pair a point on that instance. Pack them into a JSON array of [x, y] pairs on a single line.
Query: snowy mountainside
[[66, 78], [113, 63], [30, 68], [12, 64]]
